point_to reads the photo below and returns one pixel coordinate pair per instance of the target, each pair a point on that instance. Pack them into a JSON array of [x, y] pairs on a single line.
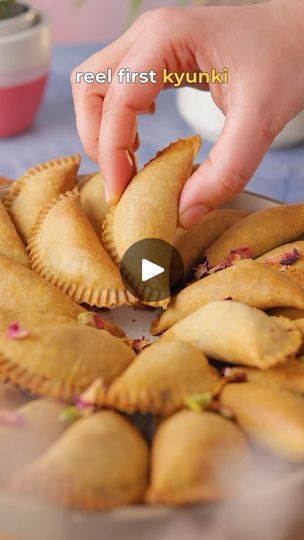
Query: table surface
[[280, 175]]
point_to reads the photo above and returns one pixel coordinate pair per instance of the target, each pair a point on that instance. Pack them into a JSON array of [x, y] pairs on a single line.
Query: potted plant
[[25, 48]]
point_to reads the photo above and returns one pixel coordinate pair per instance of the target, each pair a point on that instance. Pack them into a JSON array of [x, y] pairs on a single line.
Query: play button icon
[[151, 269]]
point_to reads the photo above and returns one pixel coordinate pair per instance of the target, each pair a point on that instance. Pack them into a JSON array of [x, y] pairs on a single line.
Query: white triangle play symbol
[[150, 269]]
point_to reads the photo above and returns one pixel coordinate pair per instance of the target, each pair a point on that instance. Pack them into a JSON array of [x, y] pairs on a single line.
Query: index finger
[[122, 103]]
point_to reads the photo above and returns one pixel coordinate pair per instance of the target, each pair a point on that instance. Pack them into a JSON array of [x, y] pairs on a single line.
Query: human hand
[[262, 46]]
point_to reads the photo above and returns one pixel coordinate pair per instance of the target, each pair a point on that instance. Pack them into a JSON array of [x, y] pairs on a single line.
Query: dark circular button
[[151, 269]]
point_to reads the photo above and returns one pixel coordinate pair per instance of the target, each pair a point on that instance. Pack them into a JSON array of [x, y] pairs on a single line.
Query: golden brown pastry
[[65, 250], [286, 312], [100, 463], [10, 243], [247, 282], [193, 242], [160, 379], [195, 458], [93, 202], [4, 181], [272, 417], [289, 376], [26, 433], [233, 332], [22, 289], [38, 187], [149, 206], [260, 232], [288, 259], [62, 360]]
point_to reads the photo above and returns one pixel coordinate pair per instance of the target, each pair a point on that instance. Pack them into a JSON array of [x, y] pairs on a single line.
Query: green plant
[[5, 8]]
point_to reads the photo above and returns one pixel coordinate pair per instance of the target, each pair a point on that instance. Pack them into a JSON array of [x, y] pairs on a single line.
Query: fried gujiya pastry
[[236, 333], [62, 361], [149, 206], [247, 282], [26, 433], [195, 457], [93, 202], [38, 187], [23, 289], [100, 463], [272, 417], [65, 250], [193, 242], [288, 259], [161, 377], [287, 376], [260, 232], [10, 243]]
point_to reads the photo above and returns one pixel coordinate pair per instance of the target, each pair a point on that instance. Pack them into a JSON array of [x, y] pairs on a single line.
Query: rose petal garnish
[[15, 331], [236, 376], [202, 270], [11, 418], [140, 344], [198, 402], [87, 401], [234, 256], [287, 258], [70, 415], [90, 318]]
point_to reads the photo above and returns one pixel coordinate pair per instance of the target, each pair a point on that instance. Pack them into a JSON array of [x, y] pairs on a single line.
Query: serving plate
[[265, 507]]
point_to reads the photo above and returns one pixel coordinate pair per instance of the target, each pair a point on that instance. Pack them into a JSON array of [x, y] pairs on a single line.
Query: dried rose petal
[[87, 401], [236, 376], [287, 258], [140, 344], [11, 418], [202, 270], [234, 256], [15, 331], [90, 318]]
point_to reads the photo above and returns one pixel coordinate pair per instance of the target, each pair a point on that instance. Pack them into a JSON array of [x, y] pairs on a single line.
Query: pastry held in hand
[[236, 333], [149, 206], [100, 463], [247, 281], [27, 292], [260, 232], [272, 417], [38, 187], [193, 242], [10, 243], [93, 202], [65, 250], [26, 433], [161, 377], [196, 457], [62, 360]]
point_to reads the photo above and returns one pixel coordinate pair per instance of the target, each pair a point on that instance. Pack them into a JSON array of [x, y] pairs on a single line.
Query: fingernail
[[193, 215]]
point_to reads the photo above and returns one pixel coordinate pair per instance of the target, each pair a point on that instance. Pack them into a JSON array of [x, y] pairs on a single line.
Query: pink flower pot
[[24, 67]]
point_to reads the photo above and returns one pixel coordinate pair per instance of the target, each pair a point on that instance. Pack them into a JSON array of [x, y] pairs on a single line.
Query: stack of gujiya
[[225, 376]]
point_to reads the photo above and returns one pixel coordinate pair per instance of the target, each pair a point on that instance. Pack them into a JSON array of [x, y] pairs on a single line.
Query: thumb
[[231, 163]]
